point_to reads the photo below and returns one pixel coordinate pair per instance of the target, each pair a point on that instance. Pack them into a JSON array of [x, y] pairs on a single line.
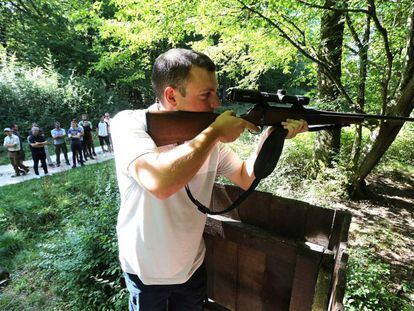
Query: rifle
[[168, 127]]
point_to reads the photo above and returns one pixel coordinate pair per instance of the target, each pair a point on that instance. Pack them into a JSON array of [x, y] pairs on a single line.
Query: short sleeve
[[229, 162], [129, 137], [31, 140]]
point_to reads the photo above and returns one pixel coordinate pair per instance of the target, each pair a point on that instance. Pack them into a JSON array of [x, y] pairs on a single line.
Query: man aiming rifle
[[161, 248]]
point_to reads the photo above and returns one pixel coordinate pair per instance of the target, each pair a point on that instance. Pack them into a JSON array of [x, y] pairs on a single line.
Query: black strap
[[263, 166]]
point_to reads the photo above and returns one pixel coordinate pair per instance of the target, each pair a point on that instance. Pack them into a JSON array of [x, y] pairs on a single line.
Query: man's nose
[[215, 101]]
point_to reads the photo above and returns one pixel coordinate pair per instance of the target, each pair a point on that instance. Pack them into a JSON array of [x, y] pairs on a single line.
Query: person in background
[[15, 130], [103, 134], [85, 157], [107, 119], [22, 156], [58, 135], [37, 146], [12, 144], [74, 134], [48, 158], [87, 146]]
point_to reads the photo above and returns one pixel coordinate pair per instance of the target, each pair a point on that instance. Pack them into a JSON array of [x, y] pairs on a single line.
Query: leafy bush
[[84, 259], [43, 95], [369, 285], [10, 242]]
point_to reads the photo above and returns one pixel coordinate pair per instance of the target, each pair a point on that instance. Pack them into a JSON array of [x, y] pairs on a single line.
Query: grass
[[36, 218]]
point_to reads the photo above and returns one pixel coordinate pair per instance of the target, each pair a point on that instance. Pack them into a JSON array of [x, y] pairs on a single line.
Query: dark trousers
[[22, 154], [61, 148], [188, 296], [76, 148], [42, 158], [88, 148]]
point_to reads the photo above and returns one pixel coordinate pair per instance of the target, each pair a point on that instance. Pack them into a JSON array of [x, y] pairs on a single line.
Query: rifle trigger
[[257, 133]]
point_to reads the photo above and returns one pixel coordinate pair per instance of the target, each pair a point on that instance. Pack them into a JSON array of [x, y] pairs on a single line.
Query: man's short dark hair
[[172, 68]]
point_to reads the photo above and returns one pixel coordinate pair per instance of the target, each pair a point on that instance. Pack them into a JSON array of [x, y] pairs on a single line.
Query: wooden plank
[[250, 236], [306, 273], [319, 225], [278, 281], [225, 273], [256, 209], [340, 230], [339, 282], [288, 219], [323, 284], [251, 268]]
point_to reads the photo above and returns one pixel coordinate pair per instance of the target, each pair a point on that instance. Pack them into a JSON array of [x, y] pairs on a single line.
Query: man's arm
[[14, 144], [38, 144], [165, 173], [244, 176], [54, 136]]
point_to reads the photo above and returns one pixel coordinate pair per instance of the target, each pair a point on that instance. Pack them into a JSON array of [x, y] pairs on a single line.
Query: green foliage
[[64, 233], [369, 285], [42, 95], [400, 153], [10, 243], [83, 260], [34, 29]]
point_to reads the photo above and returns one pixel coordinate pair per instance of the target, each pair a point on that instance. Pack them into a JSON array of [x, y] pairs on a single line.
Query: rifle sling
[[264, 165]]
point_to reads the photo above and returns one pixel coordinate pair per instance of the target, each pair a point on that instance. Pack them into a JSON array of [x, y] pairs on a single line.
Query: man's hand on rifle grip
[[295, 127], [228, 127]]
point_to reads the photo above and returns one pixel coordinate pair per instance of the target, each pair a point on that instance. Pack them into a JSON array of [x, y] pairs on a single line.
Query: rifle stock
[[170, 127]]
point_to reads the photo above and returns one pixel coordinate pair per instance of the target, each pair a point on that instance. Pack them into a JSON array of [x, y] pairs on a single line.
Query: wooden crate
[[274, 254]]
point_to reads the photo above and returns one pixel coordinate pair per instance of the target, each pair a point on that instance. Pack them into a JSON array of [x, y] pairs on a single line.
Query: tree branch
[[302, 33], [301, 49], [353, 31], [409, 63], [34, 6], [387, 77], [324, 7]]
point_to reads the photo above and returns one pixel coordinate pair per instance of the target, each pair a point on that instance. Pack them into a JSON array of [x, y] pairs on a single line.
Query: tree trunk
[[327, 143], [387, 133], [363, 64], [389, 130]]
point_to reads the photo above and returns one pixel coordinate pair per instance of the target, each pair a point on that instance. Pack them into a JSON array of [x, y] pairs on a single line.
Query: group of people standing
[[78, 134]]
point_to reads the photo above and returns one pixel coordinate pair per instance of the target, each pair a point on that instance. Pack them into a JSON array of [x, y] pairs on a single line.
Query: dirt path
[[385, 222], [6, 171]]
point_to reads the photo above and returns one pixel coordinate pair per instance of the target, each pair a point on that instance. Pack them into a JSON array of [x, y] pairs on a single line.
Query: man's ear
[[170, 96]]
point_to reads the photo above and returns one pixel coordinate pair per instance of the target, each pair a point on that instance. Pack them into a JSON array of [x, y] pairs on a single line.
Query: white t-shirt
[[13, 139], [102, 128], [161, 241]]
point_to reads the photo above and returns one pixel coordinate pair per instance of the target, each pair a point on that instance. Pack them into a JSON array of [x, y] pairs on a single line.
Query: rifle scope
[[257, 97]]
